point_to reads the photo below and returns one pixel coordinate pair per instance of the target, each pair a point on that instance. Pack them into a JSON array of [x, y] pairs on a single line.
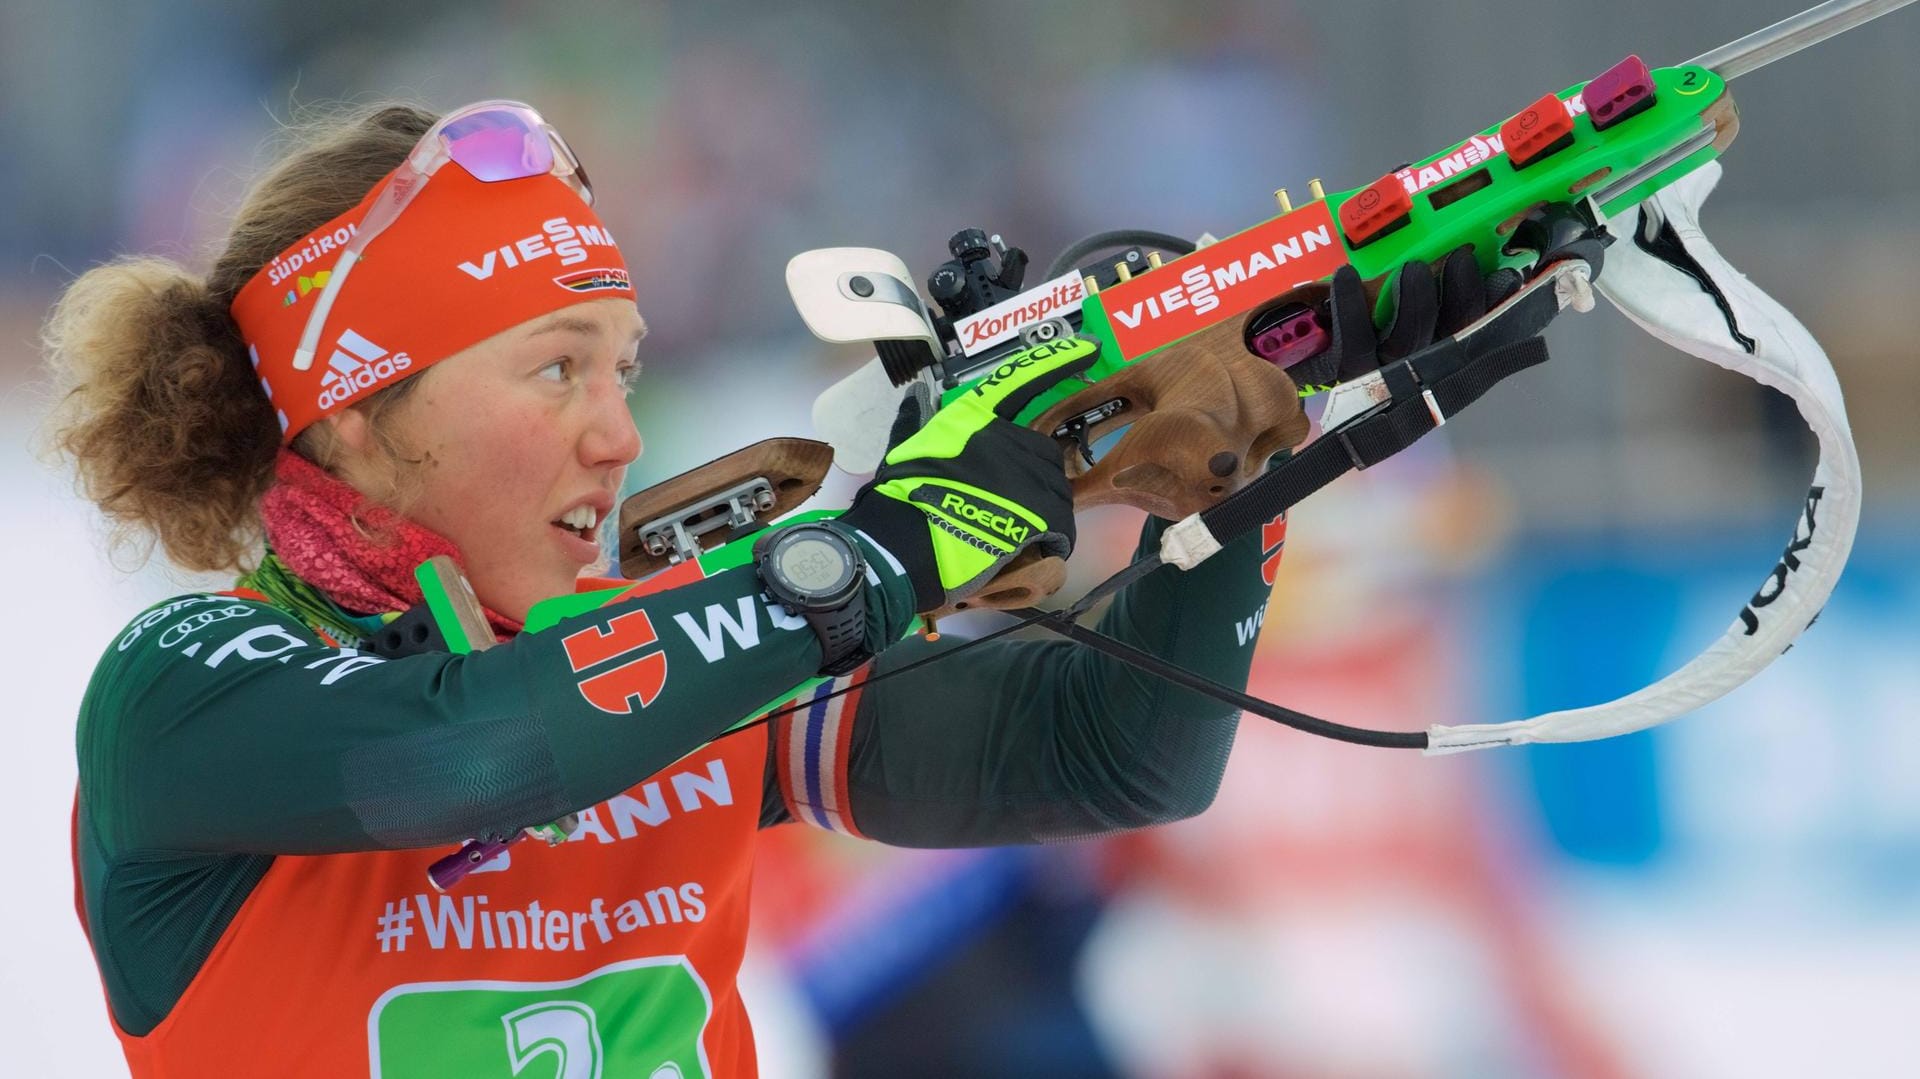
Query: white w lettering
[[447, 916], [744, 629], [1249, 627]]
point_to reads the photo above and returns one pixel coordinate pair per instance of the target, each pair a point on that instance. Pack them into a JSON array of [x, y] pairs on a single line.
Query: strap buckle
[[1367, 399], [1346, 444]]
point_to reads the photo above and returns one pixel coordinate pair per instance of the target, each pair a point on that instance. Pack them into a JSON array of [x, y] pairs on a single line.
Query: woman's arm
[[221, 724], [1028, 741]]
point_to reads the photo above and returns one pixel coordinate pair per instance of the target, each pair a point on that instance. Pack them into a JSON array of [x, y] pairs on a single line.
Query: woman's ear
[[351, 451], [352, 434]]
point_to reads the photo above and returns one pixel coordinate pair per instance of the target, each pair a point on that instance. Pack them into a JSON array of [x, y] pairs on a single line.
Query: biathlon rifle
[[1194, 354]]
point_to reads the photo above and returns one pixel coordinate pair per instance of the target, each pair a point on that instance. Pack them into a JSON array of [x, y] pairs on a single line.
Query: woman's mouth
[[579, 529], [582, 521]]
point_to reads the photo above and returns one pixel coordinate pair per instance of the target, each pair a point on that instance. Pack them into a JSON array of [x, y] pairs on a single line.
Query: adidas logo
[[357, 364]]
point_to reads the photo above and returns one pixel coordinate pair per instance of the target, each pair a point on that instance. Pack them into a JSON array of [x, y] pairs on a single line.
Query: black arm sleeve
[[224, 725], [1038, 740]]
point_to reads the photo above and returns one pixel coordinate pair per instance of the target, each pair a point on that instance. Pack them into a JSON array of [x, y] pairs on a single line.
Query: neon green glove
[[958, 498]]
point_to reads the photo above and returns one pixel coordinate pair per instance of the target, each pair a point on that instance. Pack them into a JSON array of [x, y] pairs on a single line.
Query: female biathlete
[[418, 340]]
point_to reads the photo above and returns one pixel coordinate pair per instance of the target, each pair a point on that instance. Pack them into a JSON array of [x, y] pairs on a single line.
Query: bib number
[[640, 1017]]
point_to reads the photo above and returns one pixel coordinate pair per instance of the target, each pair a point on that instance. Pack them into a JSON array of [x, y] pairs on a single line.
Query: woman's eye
[[558, 370], [629, 378]]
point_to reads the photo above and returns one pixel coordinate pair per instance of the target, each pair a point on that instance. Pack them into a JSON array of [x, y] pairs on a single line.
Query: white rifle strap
[[1779, 352]]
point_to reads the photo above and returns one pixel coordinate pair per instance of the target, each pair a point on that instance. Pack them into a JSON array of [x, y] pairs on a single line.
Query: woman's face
[[514, 434]]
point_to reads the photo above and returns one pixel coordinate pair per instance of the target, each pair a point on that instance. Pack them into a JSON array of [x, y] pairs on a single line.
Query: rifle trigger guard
[[1077, 427]]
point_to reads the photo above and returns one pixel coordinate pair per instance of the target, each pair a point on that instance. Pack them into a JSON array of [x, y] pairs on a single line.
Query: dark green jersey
[[219, 732]]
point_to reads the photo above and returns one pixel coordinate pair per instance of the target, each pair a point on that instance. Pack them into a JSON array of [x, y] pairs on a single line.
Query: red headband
[[464, 261]]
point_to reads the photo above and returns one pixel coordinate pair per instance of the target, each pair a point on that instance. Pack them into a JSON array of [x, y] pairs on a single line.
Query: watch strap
[[843, 635]]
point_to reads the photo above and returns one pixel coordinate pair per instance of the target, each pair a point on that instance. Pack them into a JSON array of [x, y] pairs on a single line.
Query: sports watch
[[816, 572]]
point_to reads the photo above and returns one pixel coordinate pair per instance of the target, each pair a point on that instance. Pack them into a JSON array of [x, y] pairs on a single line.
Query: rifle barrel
[[1791, 34]]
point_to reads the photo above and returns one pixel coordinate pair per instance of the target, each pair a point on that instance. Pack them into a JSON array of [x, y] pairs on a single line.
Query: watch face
[[812, 565]]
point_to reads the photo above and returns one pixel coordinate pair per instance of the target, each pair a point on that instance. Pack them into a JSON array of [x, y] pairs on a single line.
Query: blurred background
[[1737, 894]]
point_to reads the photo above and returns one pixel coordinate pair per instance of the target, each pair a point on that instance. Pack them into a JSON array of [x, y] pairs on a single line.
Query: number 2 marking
[[565, 1028]]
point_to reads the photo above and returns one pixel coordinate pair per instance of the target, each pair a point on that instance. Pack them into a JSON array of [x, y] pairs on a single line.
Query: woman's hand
[[1426, 307], [958, 498]]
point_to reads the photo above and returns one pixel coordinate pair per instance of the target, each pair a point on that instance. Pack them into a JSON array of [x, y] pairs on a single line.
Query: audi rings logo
[[193, 623]]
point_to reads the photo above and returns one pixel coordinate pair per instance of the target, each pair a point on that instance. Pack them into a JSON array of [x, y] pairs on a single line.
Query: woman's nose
[[611, 437]]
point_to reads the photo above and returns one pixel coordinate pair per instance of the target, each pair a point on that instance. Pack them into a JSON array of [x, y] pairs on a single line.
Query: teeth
[[585, 517]]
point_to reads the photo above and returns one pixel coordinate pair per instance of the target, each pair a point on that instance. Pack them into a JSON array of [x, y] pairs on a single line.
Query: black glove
[[1425, 309]]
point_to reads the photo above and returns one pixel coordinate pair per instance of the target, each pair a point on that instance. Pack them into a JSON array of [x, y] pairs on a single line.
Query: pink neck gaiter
[[330, 535]]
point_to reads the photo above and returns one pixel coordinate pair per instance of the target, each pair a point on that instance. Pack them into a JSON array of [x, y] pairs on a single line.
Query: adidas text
[[358, 364]]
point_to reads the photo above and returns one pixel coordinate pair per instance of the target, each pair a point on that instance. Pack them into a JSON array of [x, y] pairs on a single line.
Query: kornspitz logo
[[358, 364]]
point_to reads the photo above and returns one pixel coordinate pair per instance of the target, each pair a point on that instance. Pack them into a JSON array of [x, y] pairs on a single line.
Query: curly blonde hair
[[157, 405]]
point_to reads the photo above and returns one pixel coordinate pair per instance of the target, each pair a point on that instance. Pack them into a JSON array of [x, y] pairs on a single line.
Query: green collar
[[284, 589]]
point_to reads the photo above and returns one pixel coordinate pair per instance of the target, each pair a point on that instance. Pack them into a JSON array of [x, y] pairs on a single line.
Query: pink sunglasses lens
[[499, 145]]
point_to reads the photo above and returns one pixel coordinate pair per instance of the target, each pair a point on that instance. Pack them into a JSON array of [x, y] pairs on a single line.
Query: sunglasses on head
[[491, 141]]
